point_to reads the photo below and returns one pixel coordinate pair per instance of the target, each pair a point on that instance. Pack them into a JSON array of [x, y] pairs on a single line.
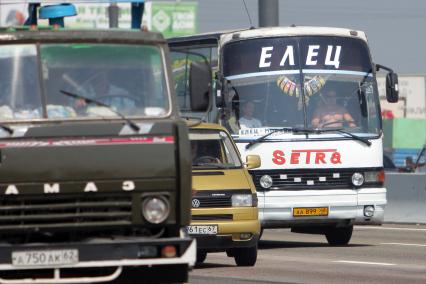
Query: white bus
[[305, 99]]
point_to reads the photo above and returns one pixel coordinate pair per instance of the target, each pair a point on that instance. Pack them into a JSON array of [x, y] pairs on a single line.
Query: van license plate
[[44, 257], [202, 229], [310, 211]]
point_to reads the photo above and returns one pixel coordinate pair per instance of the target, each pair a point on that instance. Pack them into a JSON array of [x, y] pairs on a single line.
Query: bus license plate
[[44, 257], [202, 229], [310, 211]]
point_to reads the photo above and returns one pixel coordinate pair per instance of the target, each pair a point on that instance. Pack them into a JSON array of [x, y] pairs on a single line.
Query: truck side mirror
[[252, 161], [392, 90], [199, 85]]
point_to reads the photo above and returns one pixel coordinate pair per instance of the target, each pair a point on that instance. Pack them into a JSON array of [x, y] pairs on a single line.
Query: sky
[[396, 29]]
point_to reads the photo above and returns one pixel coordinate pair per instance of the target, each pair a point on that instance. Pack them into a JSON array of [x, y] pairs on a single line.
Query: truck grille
[[306, 179], [64, 211]]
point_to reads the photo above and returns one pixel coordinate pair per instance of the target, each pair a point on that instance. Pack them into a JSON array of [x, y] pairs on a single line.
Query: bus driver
[[329, 114]]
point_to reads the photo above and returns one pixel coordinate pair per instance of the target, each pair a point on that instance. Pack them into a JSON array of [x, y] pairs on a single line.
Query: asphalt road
[[392, 253]]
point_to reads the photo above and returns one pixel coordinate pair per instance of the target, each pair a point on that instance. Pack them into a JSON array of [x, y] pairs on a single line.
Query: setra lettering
[[308, 157], [278, 157]]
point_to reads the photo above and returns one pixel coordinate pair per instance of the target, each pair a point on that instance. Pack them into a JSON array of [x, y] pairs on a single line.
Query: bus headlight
[[266, 181], [155, 209], [357, 179], [242, 200]]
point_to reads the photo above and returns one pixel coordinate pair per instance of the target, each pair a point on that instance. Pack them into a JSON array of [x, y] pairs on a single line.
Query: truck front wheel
[[245, 256], [339, 236]]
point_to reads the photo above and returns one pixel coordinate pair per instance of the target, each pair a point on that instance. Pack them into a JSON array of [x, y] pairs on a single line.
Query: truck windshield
[[212, 149], [129, 78], [304, 82]]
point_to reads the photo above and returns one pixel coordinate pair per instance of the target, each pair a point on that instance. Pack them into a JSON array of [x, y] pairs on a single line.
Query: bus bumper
[[345, 207]]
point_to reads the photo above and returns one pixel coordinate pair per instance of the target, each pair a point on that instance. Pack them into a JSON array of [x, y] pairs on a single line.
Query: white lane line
[[364, 262], [388, 228], [403, 244]]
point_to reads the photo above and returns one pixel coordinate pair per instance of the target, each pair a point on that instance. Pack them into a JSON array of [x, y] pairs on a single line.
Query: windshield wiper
[[7, 128], [288, 129], [132, 125], [308, 131], [339, 130]]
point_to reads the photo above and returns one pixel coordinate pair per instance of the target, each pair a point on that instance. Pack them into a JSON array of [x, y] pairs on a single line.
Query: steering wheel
[[207, 160], [344, 122]]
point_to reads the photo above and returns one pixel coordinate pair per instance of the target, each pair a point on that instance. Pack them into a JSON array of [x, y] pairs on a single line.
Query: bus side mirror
[[252, 161], [199, 85], [220, 91], [392, 90]]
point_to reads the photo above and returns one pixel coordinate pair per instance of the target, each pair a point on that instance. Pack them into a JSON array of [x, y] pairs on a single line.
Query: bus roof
[[226, 36], [292, 31]]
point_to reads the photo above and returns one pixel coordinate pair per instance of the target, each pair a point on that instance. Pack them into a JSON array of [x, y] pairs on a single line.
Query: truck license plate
[[44, 257], [202, 229], [310, 211]]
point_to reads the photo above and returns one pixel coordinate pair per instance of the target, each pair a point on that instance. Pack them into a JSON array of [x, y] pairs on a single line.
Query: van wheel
[[245, 256], [201, 256], [339, 236], [230, 252]]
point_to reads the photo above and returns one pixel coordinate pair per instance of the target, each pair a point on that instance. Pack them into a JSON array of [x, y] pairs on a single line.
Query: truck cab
[[95, 172]]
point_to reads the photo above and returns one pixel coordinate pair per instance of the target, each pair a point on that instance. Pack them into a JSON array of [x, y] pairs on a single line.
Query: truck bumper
[[98, 254], [345, 207]]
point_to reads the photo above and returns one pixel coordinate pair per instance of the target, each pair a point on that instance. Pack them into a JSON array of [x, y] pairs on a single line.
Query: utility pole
[[268, 13], [113, 12]]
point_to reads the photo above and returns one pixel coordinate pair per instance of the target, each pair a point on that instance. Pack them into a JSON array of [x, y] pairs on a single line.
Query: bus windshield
[[304, 82]]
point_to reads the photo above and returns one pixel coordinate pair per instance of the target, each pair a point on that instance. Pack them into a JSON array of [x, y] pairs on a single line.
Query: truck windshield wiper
[[133, 125], [272, 131], [339, 130], [7, 128]]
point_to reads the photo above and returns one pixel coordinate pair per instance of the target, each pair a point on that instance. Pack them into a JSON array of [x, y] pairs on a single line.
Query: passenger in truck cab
[[328, 113], [247, 120]]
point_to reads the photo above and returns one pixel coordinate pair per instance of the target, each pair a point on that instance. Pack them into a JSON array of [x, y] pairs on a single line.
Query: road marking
[[363, 262], [402, 244], [388, 228]]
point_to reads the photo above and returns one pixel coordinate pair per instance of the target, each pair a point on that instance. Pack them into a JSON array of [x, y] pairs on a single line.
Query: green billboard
[[174, 18]]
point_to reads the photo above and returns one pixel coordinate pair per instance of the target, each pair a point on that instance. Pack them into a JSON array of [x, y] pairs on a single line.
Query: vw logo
[[195, 203]]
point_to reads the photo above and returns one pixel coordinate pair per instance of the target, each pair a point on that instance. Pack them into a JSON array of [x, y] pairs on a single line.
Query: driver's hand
[[79, 103]]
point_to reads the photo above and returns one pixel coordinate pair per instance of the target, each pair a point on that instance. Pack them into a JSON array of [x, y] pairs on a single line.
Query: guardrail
[[406, 194]]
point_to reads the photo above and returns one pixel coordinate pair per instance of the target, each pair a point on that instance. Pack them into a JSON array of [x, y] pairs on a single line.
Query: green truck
[[95, 169]]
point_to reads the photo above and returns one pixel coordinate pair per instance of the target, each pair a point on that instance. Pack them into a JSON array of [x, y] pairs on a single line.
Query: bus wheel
[[339, 236], [245, 256], [201, 256]]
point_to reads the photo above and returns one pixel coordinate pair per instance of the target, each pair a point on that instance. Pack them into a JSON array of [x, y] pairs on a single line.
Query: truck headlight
[[266, 181], [357, 179], [155, 209], [242, 200]]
